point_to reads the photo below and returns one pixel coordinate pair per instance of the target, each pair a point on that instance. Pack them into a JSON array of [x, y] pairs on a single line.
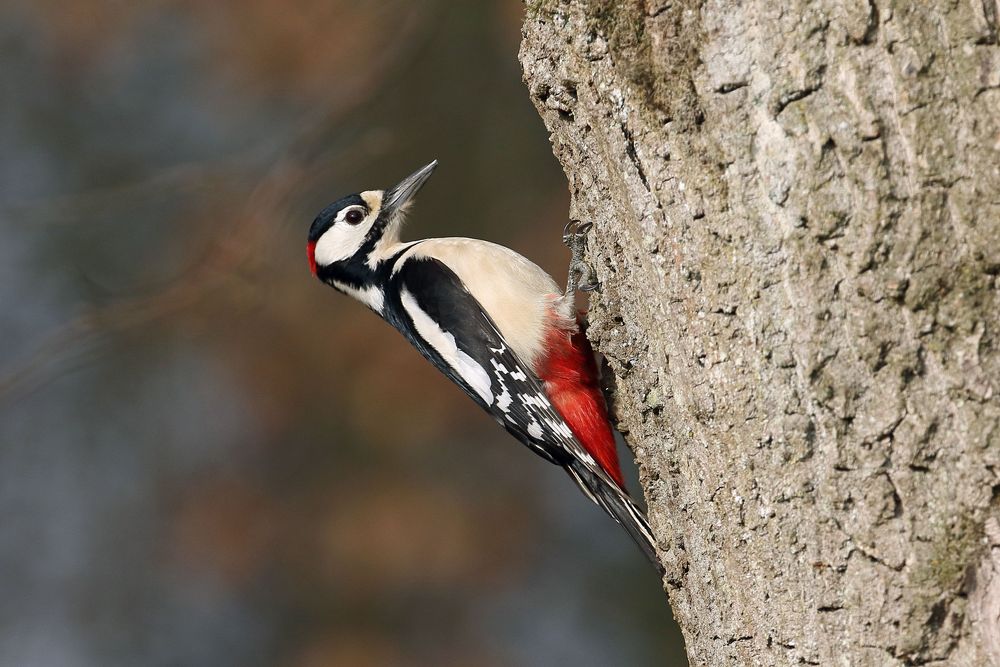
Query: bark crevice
[[795, 222]]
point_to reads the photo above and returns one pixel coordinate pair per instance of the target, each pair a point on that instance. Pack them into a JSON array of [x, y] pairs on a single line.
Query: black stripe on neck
[[355, 272]]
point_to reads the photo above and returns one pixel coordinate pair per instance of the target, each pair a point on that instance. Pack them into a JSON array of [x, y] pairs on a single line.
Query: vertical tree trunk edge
[[796, 213]]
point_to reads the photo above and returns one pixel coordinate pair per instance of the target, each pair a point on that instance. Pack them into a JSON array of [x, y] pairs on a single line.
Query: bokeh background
[[207, 457]]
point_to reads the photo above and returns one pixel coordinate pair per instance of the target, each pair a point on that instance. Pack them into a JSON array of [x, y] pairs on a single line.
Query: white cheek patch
[[343, 241], [373, 297], [340, 242], [444, 344]]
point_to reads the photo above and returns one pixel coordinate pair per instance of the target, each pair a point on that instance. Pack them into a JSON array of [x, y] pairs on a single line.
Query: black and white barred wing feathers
[[449, 327]]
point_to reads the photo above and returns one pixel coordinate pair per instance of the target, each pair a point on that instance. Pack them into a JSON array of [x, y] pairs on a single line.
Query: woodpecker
[[492, 321]]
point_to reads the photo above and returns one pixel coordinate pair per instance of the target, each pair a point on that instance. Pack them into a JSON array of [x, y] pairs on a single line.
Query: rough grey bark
[[797, 229]]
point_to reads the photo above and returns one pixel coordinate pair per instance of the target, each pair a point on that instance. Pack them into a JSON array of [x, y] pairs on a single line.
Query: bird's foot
[[581, 274]]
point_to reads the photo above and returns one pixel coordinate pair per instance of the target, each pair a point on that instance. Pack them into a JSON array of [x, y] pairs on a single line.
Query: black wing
[[427, 295], [487, 369]]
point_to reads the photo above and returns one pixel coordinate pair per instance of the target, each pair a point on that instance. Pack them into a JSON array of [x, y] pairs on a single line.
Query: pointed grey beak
[[402, 194]]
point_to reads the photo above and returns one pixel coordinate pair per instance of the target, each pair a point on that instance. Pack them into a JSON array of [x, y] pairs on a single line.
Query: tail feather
[[616, 502]]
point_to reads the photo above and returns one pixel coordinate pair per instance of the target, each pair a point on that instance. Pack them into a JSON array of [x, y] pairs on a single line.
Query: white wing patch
[[444, 344], [518, 295]]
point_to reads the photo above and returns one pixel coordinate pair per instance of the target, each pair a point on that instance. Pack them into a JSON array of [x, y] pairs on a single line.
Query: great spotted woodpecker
[[492, 321]]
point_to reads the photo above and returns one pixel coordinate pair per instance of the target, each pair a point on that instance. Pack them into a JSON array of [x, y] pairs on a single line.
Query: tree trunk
[[797, 234]]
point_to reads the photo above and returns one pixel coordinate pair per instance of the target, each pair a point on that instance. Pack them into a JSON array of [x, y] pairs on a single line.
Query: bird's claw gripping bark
[[581, 274], [574, 231]]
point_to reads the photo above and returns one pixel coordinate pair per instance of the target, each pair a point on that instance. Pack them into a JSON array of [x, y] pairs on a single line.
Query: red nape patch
[[311, 252], [571, 382]]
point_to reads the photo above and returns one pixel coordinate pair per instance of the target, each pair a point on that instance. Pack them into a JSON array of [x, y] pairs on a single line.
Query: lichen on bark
[[796, 224]]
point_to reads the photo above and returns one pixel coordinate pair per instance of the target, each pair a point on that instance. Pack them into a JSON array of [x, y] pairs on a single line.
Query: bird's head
[[357, 227]]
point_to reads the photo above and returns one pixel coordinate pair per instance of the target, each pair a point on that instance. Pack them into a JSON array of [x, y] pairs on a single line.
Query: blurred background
[[207, 457]]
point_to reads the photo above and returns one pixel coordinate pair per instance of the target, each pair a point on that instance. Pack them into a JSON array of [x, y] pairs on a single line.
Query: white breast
[[515, 291]]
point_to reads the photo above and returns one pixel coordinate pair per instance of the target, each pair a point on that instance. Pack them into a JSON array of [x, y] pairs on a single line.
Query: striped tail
[[616, 502]]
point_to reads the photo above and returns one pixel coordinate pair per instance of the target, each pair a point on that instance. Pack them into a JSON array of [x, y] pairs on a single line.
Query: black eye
[[354, 216]]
